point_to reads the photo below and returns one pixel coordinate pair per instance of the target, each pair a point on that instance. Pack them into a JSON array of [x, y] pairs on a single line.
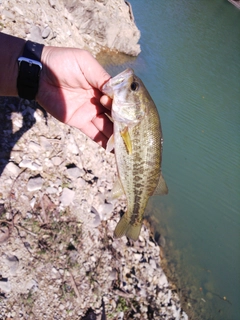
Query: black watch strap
[[29, 70]]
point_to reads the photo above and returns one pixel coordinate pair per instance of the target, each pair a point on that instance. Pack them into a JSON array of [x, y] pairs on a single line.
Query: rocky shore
[[58, 257], [92, 25]]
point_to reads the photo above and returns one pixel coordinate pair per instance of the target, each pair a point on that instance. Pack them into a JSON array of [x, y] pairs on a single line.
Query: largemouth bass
[[137, 141]]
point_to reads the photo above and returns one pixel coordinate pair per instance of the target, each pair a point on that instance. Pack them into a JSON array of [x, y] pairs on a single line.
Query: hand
[[70, 89]]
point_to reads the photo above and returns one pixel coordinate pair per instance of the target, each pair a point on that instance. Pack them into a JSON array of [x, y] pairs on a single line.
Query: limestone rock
[[13, 169], [109, 23], [67, 197], [12, 262], [35, 183], [89, 24]]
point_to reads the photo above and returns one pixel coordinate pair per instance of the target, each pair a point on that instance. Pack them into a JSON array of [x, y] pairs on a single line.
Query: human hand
[[70, 89]]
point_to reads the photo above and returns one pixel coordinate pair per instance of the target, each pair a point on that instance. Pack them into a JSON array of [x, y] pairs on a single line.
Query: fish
[[137, 142]]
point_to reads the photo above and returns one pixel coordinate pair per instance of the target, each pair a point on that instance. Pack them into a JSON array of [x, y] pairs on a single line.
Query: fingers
[[93, 132], [106, 102], [94, 73], [104, 125]]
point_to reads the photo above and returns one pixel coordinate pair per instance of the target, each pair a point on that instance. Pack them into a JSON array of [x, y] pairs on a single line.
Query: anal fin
[[116, 192]]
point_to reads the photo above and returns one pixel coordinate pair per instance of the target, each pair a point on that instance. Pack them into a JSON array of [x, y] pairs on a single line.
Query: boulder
[[88, 24], [109, 23]]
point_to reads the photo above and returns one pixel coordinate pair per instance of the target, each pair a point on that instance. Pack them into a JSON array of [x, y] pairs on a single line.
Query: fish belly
[[139, 171]]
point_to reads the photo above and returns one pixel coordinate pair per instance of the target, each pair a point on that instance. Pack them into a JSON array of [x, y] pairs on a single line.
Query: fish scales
[[136, 121], [139, 172]]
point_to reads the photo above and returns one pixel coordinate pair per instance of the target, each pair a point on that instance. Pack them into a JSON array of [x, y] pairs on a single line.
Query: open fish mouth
[[116, 82]]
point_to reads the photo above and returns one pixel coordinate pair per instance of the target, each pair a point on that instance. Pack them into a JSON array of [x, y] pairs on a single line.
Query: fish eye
[[134, 86]]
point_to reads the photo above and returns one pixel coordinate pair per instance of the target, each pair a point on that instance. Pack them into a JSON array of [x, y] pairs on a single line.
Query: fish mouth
[[116, 82]]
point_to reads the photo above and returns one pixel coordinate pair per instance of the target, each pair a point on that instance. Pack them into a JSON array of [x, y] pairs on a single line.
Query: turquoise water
[[190, 63]]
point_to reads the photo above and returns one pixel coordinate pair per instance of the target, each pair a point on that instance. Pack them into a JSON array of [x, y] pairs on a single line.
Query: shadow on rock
[[16, 118]]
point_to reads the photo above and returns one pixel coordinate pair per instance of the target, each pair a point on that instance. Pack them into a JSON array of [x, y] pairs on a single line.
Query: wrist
[[11, 48], [30, 68]]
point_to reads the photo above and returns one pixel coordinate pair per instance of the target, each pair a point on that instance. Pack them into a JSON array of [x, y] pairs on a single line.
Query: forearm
[[11, 49]]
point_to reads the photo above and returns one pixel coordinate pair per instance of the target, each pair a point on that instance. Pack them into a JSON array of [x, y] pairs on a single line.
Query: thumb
[[94, 73]]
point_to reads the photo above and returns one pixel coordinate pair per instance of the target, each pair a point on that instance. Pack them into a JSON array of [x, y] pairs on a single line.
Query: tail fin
[[125, 228]]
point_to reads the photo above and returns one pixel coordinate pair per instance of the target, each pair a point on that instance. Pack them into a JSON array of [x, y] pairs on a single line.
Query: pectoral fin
[[109, 117], [110, 144], [127, 140], [161, 188]]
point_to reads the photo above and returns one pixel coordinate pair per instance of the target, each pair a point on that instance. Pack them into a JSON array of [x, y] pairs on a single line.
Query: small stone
[[18, 10], [37, 116], [33, 146], [29, 215], [138, 256], [45, 143], [153, 263], [105, 210], [61, 307], [9, 215], [52, 3], [13, 168], [81, 182], [67, 196], [51, 190], [31, 285], [96, 218], [72, 146], [56, 161], [112, 275], [75, 172], [7, 14], [46, 32], [36, 34], [162, 241], [5, 285], [17, 120], [34, 183], [25, 163], [120, 315], [4, 234], [35, 166], [32, 202], [54, 270], [12, 262], [101, 189]]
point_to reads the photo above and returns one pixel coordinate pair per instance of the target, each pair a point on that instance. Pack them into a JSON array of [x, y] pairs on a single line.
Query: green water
[[190, 63]]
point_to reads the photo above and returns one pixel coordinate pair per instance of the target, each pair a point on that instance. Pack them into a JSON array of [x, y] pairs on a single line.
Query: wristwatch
[[29, 70]]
